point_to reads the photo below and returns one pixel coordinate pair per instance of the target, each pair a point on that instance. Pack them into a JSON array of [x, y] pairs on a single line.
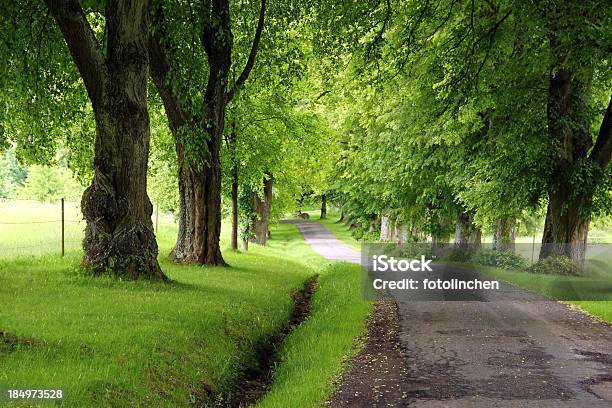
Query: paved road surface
[[492, 352], [324, 242]]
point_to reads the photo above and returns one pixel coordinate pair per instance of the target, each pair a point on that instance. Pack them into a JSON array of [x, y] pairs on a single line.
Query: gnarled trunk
[[569, 127], [119, 236], [567, 218]]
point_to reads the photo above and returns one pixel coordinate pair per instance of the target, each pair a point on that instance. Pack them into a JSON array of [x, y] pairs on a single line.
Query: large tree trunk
[[505, 234], [119, 236], [261, 208], [566, 229], [579, 165], [198, 240], [323, 206]]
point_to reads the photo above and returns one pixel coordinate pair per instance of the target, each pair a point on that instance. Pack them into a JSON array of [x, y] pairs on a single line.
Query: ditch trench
[[256, 379]]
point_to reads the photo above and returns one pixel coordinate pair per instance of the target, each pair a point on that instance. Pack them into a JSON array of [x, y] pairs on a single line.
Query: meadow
[[108, 342]]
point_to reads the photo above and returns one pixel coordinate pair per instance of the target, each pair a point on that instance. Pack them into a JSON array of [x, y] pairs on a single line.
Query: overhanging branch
[[251, 61], [82, 44], [602, 151]]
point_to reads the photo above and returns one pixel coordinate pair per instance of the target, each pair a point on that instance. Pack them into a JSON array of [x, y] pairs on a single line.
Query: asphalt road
[[508, 348]]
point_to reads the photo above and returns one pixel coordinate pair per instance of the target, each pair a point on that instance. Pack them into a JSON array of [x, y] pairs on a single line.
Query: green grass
[[117, 343], [313, 355], [594, 285], [110, 343]]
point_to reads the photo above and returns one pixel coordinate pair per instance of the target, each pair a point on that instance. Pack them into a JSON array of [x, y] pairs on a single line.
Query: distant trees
[[475, 114]]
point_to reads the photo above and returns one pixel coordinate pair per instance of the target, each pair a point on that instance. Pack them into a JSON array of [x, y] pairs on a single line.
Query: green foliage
[[45, 183], [12, 174], [461, 254], [162, 176], [499, 258], [555, 265]]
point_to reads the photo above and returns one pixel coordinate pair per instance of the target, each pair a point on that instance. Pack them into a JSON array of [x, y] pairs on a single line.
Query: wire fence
[[32, 227]]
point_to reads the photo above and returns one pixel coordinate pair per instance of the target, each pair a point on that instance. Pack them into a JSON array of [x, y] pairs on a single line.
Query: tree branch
[[82, 44], [160, 70], [251, 61], [602, 151]]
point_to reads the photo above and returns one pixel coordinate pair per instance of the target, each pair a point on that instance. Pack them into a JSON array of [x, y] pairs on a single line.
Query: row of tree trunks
[[394, 231], [119, 237], [505, 234]]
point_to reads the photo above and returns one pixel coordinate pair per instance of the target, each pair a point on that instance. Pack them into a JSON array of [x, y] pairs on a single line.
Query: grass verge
[[313, 354], [563, 288], [114, 343]]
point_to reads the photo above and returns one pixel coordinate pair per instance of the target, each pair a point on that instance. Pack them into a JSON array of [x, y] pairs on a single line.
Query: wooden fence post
[[63, 249], [157, 218]]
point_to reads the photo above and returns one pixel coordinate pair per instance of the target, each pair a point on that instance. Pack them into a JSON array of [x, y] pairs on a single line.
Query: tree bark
[[467, 235], [261, 207], [505, 234], [323, 206], [401, 233], [235, 208], [200, 178], [119, 237], [180, 122], [568, 119], [385, 229]]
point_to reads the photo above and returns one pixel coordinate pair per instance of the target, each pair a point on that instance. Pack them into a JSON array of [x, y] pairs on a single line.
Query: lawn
[[116, 343], [593, 289], [108, 342]]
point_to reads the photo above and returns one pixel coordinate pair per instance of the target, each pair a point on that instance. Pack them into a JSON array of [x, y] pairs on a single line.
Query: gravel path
[[324, 242], [487, 353]]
